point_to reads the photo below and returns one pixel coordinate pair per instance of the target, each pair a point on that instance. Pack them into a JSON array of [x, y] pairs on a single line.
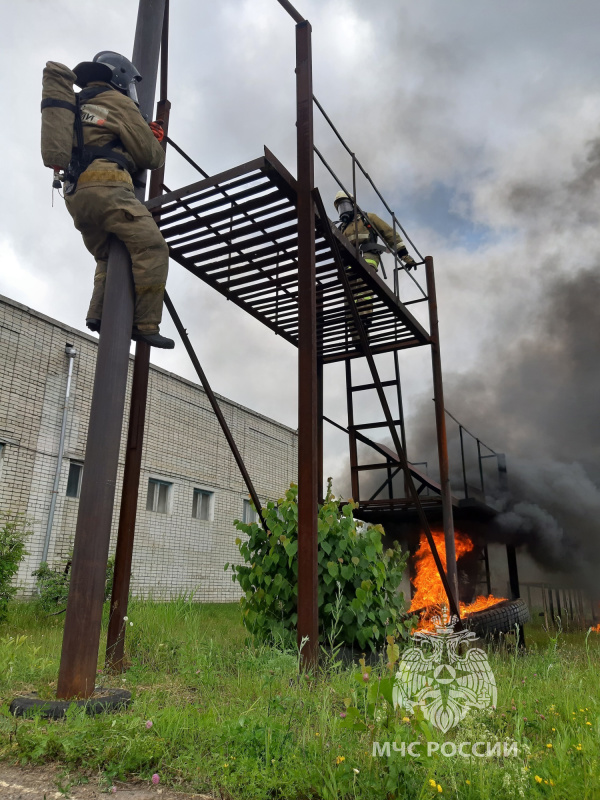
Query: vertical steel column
[[440, 420], [320, 492], [320, 367], [308, 619], [83, 619], [352, 434], [488, 578], [570, 598], [462, 457], [513, 573], [115, 640], [399, 394], [502, 473], [400, 402], [480, 468], [513, 577]]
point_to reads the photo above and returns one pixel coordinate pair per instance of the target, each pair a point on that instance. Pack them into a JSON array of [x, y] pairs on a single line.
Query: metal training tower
[[262, 239]]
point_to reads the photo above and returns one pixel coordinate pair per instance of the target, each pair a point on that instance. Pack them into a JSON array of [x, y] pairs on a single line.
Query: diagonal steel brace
[[216, 408]]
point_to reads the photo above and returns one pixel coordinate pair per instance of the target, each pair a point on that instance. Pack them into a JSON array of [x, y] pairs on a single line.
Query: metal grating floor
[[237, 231]]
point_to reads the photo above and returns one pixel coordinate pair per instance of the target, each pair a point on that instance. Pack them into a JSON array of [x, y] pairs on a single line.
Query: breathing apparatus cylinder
[[59, 106]]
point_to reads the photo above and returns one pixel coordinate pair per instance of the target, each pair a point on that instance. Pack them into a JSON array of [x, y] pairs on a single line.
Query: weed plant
[[52, 583], [14, 532], [356, 576], [214, 714]]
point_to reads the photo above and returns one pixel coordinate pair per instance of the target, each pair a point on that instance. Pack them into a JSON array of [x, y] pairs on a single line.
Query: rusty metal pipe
[[440, 422], [115, 640], [83, 619], [308, 613]]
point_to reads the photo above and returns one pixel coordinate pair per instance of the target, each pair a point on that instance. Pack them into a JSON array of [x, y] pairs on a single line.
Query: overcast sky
[[472, 116]]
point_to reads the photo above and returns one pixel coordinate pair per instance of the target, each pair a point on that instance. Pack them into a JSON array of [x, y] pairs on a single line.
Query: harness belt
[[83, 155]]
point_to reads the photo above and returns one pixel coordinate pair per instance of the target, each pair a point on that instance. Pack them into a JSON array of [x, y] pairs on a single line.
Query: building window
[[201, 506], [74, 479], [250, 514], [158, 496]]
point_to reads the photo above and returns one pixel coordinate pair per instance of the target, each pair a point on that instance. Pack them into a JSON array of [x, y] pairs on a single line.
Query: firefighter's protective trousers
[[98, 212], [104, 203]]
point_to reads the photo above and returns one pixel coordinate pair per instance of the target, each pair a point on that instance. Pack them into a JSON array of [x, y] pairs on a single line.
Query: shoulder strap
[[369, 226], [50, 102]]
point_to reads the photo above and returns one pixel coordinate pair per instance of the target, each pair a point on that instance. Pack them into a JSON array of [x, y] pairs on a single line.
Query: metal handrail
[[367, 176], [397, 267], [480, 457]]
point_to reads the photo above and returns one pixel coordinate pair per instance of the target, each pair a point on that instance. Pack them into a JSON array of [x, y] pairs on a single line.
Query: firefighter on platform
[[367, 230], [111, 142]]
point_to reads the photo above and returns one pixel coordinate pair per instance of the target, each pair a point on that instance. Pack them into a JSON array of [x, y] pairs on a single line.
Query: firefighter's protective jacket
[[362, 233], [109, 115]]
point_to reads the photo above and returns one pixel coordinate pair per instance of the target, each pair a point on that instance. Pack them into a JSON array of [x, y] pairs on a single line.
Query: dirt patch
[[45, 783]]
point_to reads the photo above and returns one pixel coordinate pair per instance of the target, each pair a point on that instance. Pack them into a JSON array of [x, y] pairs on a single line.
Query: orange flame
[[429, 590], [596, 629]]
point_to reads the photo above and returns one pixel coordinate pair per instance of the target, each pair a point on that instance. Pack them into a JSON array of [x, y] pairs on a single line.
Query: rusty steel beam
[[295, 15], [321, 494], [216, 408], [320, 477], [79, 657], [440, 422], [515, 591], [115, 640], [308, 470], [366, 351]]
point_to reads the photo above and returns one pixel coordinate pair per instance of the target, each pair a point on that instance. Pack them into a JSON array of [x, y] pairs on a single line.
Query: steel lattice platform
[[237, 231]]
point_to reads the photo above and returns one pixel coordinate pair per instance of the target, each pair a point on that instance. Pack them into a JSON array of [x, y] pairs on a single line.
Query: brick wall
[[183, 446]]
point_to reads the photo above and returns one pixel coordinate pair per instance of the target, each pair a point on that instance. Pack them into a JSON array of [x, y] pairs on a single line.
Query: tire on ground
[[112, 700], [500, 618]]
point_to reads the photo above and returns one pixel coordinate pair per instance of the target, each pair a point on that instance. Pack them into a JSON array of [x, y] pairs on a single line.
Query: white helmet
[[339, 197]]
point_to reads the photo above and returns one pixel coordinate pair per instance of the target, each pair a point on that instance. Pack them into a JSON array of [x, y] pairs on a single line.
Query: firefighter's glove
[[409, 262], [157, 130]]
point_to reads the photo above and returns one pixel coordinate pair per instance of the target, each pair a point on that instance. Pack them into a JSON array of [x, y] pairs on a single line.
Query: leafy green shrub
[[53, 584], [13, 533], [358, 582]]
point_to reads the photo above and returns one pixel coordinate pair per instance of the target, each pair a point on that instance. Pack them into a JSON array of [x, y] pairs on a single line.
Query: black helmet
[[111, 68]]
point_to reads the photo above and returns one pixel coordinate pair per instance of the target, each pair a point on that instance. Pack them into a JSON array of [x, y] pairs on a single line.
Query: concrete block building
[[190, 488]]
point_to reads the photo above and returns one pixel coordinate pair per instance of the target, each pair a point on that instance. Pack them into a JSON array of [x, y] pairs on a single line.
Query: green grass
[[241, 722]]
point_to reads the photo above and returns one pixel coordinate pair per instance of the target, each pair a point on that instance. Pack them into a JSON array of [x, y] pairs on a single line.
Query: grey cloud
[[478, 98]]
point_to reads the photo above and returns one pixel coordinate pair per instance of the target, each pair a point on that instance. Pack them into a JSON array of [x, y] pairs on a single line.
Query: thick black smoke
[[540, 402], [537, 395]]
